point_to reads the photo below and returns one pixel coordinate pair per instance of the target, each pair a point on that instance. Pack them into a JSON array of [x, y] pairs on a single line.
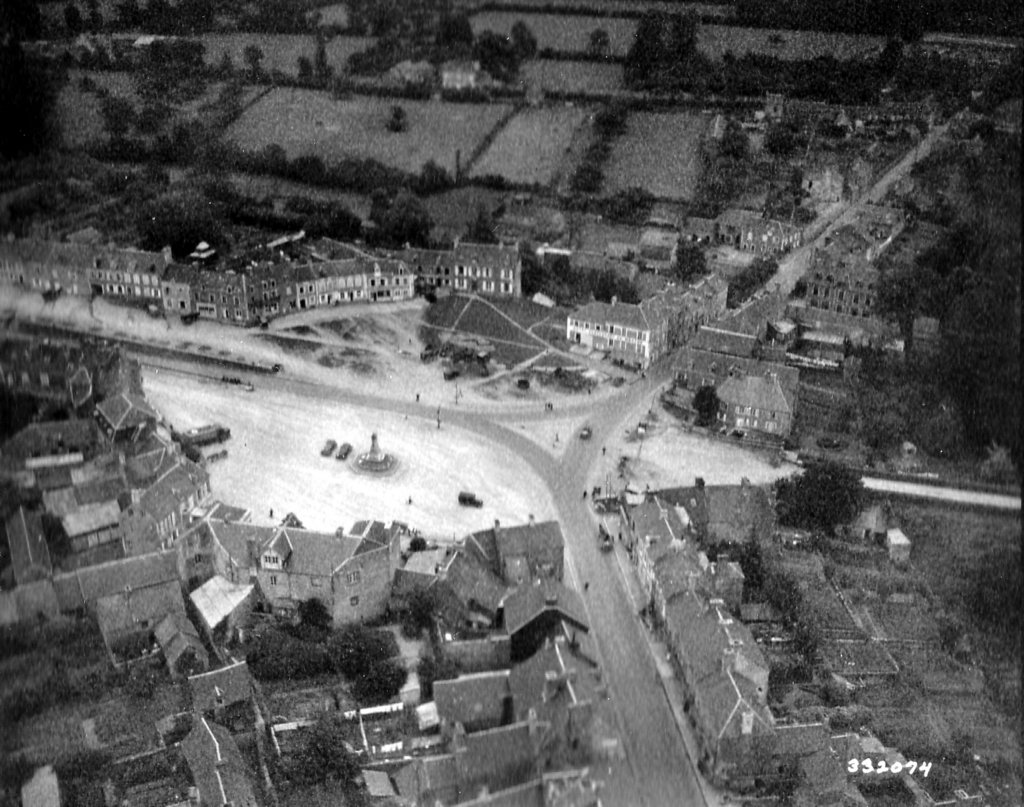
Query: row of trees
[[752, 278], [609, 123]]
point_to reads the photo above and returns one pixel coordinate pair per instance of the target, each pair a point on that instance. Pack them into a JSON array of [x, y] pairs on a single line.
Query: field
[[561, 33], [716, 40], [510, 344], [572, 77], [281, 51], [308, 122], [659, 152], [629, 6], [530, 147]]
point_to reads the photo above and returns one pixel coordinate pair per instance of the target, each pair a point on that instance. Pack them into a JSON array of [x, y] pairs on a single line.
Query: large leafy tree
[[497, 56], [690, 261], [524, 43], [180, 221], [455, 33], [705, 402], [824, 496], [406, 222], [324, 754]]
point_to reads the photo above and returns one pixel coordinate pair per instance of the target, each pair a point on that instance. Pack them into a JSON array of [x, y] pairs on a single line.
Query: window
[[354, 601], [353, 577], [273, 579]]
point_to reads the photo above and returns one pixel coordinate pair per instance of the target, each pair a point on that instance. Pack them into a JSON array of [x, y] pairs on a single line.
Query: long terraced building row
[[257, 291]]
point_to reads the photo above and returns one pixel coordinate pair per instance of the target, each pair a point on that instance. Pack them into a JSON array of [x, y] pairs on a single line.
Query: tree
[[399, 121], [73, 19], [497, 56], [734, 144], [825, 495], [435, 668], [314, 614], [325, 754], [27, 95], [524, 43], [129, 14], [382, 683], [481, 231], [305, 68], [354, 649], [600, 44], [455, 33], [118, 116], [690, 261], [898, 297], [418, 544], [253, 55], [705, 402], [406, 222], [320, 66], [177, 220]]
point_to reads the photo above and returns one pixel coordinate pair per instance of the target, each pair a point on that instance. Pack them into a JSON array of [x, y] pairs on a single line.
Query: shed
[[898, 545]]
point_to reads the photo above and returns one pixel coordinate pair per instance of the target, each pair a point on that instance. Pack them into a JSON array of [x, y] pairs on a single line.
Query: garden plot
[[274, 461], [659, 152], [280, 51], [306, 122], [568, 34], [553, 75], [531, 147]]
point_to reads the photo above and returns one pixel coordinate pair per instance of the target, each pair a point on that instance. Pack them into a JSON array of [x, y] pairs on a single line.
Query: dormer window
[[271, 560]]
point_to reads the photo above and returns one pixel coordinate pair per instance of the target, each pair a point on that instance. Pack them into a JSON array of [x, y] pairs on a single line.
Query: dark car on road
[[585, 433], [344, 451], [328, 448]]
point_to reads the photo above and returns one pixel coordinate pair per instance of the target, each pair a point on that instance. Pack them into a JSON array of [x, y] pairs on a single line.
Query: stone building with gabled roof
[[725, 677], [352, 575], [179, 641], [634, 335], [755, 404], [533, 613], [124, 416], [522, 553], [491, 269]]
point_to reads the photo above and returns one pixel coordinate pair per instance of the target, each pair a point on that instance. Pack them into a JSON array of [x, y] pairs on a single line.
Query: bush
[[417, 544], [355, 649], [278, 655]]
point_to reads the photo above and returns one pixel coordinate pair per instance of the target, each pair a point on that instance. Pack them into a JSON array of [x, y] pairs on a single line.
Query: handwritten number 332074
[[870, 766]]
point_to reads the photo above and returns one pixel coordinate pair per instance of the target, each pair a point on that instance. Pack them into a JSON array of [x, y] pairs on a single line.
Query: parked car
[[585, 433], [276, 368], [328, 448], [344, 451], [467, 499], [604, 539]]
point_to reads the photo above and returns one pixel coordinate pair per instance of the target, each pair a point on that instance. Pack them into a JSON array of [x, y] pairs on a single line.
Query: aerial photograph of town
[[511, 403]]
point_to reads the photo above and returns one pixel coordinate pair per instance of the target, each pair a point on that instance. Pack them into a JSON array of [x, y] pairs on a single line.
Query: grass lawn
[[659, 152], [481, 320], [307, 122], [574, 77], [530, 148]]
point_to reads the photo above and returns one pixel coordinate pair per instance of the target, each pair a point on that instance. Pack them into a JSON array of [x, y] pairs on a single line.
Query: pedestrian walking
[[603, 450], [586, 586], [584, 495], [417, 397], [271, 512]]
